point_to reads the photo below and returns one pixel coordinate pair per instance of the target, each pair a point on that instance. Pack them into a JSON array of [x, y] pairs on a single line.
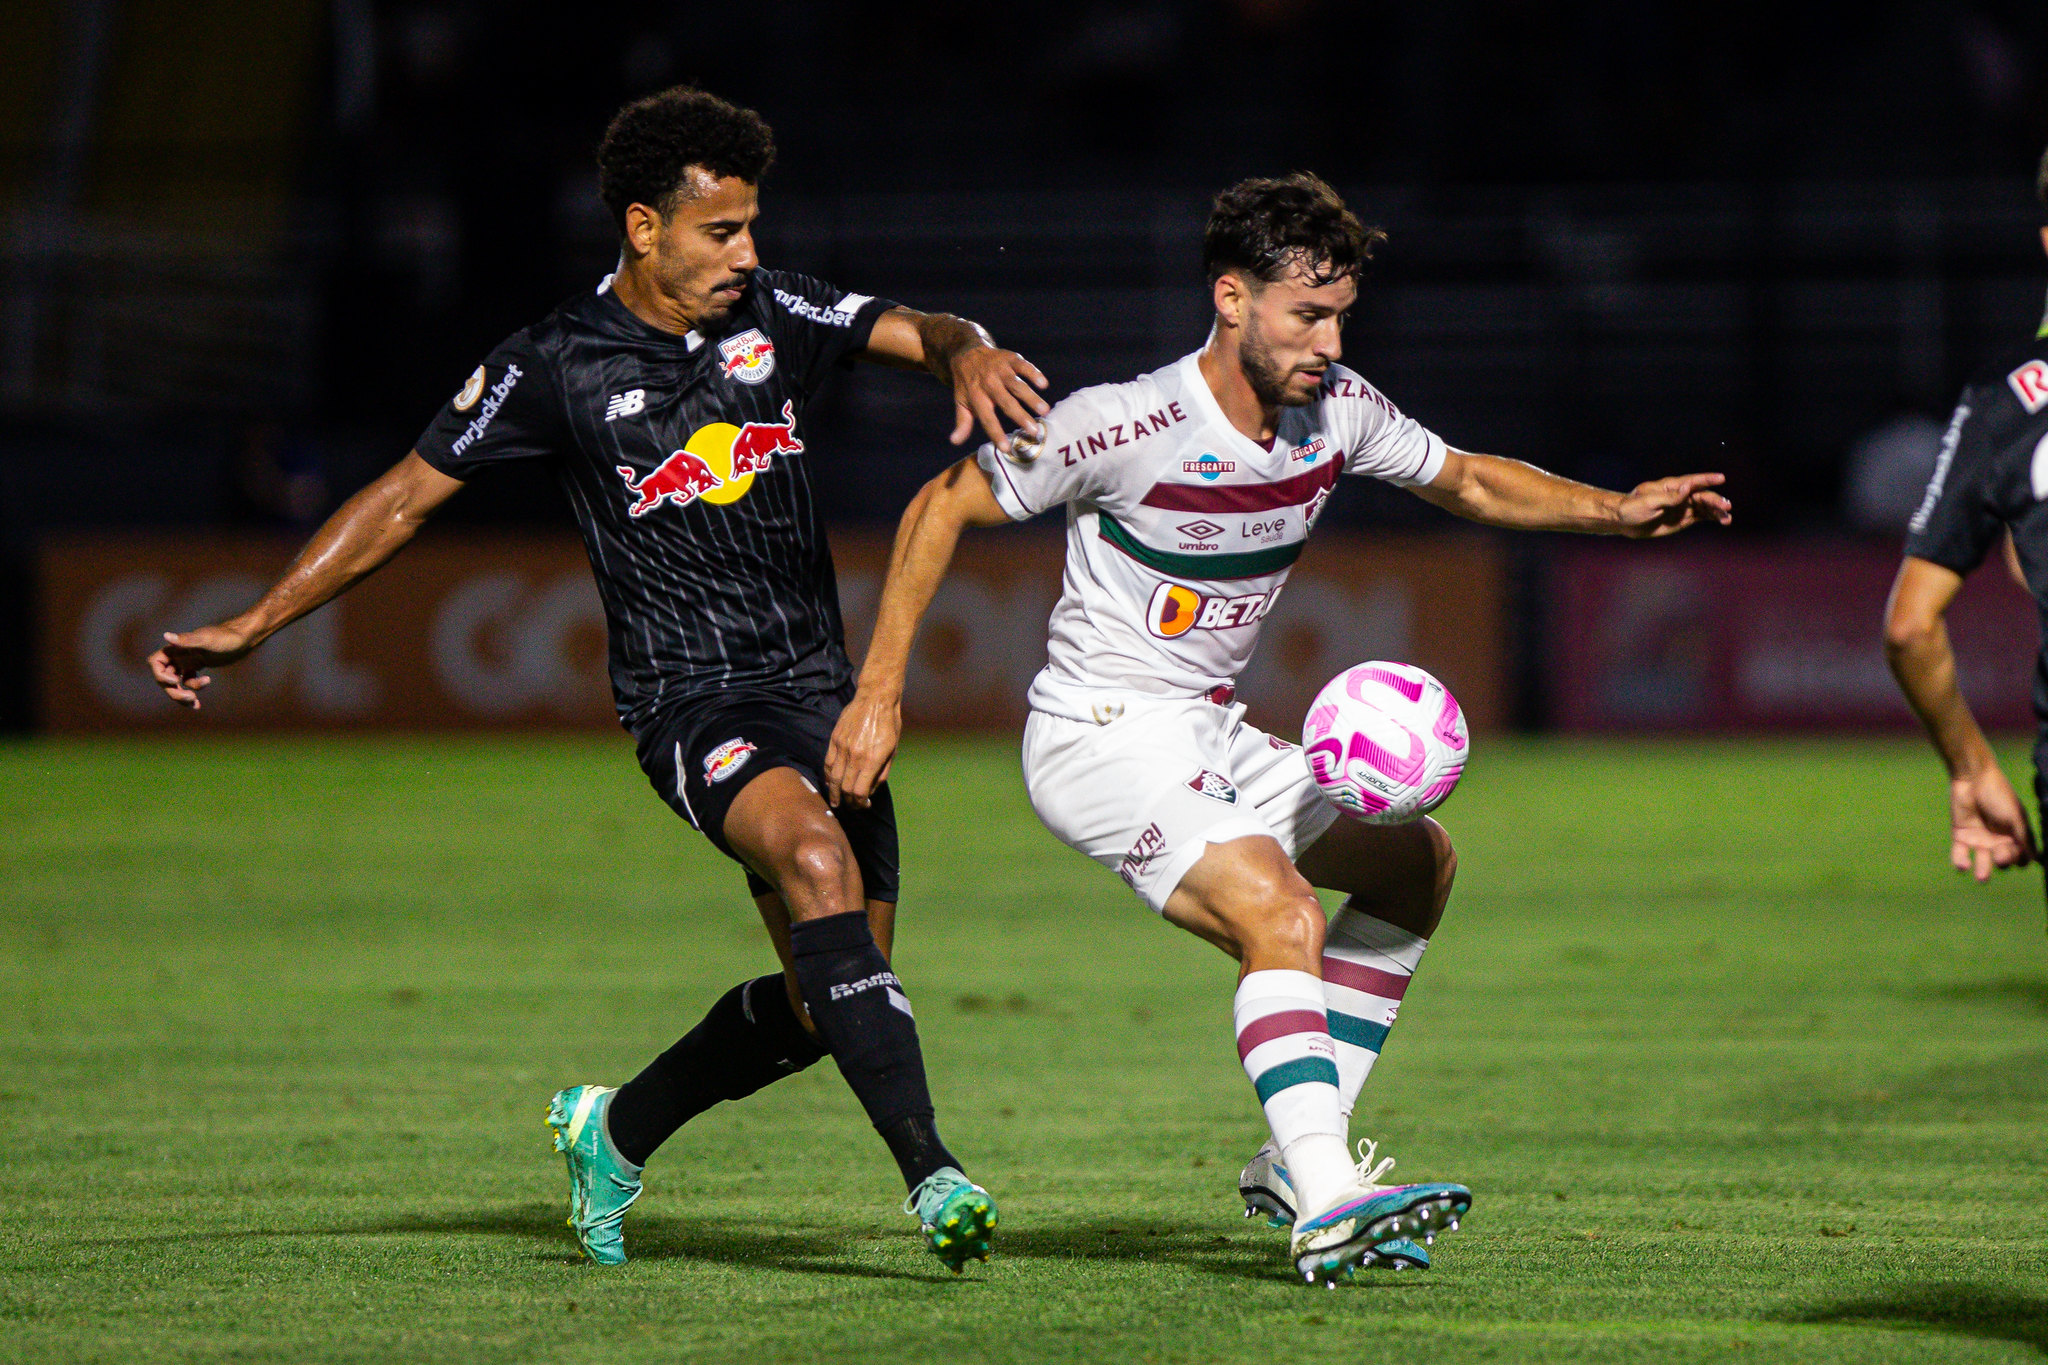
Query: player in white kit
[[1189, 493]]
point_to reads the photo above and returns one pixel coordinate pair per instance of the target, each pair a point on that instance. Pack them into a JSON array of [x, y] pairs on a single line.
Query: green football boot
[[602, 1184], [957, 1217]]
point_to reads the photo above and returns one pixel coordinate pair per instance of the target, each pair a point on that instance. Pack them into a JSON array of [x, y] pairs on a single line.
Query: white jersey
[[1181, 530]]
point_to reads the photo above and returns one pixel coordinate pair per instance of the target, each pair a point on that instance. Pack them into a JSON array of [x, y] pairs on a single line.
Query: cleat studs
[[1400, 1265], [1330, 1285], [1429, 1239], [1452, 1225]]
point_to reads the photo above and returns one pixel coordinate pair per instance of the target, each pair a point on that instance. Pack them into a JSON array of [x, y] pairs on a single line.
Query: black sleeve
[[816, 325], [506, 411], [1958, 520]]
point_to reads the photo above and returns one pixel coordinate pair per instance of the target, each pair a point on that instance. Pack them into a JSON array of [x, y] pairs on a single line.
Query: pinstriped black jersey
[[685, 464], [1991, 476]]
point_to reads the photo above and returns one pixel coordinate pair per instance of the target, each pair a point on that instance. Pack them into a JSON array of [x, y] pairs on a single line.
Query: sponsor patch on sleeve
[[2030, 385]]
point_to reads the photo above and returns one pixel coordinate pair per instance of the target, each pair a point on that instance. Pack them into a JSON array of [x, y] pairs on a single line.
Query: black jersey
[[685, 465], [1992, 474]]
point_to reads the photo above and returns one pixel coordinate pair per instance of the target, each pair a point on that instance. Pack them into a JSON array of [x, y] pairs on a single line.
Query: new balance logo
[[625, 404]]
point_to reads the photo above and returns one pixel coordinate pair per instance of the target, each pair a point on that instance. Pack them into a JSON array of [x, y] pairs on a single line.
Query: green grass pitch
[[1736, 1069]]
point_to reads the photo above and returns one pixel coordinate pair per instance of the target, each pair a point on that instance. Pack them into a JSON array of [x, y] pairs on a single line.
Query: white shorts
[[1147, 790]]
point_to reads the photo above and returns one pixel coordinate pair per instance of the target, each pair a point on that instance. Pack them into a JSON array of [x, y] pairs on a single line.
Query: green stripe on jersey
[[1300, 1071], [1248, 564]]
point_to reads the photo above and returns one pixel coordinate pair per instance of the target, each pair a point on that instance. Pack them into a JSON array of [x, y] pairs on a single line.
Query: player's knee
[[818, 867], [1287, 925]]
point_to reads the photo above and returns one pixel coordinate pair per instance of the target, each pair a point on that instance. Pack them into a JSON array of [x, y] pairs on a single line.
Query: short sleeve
[[1059, 469], [506, 411], [816, 325], [1958, 520], [1381, 440]]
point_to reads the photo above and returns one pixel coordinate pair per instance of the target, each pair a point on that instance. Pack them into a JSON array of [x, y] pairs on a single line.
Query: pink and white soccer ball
[[1386, 742]]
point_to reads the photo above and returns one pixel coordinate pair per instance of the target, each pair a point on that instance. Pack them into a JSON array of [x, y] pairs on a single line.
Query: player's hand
[[863, 748], [1664, 507], [990, 384], [1989, 825], [180, 666]]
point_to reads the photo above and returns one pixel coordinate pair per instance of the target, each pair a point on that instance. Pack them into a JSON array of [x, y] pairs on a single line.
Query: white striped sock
[[1284, 1042], [1367, 963]]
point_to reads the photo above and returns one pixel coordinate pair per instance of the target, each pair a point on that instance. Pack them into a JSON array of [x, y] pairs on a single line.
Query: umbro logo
[[1200, 530], [625, 404]]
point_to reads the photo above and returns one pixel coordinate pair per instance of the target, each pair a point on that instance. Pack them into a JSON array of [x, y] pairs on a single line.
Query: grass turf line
[[1734, 1065]]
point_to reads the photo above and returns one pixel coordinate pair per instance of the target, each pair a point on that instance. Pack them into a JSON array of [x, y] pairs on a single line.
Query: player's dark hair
[[1264, 227], [652, 142], [2041, 182]]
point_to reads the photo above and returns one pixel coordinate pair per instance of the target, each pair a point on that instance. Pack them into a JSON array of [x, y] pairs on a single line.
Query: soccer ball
[[1386, 742]]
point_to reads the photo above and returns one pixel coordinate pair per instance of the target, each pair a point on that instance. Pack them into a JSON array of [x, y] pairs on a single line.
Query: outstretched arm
[[1498, 492], [864, 741], [364, 532], [988, 383], [1988, 823]]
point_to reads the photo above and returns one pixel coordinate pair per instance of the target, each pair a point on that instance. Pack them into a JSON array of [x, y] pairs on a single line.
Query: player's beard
[[717, 310], [1263, 371]]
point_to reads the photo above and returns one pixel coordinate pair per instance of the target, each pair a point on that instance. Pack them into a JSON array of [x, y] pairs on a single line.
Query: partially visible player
[[1988, 487], [1189, 493], [669, 400]]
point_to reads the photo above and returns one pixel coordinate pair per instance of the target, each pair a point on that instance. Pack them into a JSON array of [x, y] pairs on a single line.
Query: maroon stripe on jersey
[[1242, 497], [1268, 1027], [1371, 980]]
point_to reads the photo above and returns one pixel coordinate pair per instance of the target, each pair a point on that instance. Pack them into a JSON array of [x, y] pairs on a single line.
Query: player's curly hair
[[1264, 227], [652, 141]]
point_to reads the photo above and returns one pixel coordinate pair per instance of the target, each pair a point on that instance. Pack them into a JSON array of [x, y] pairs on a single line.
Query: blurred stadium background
[[1736, 1066], [246, 249]]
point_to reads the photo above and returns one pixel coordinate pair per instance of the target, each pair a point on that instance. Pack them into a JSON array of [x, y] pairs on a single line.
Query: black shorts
[[703, 753]]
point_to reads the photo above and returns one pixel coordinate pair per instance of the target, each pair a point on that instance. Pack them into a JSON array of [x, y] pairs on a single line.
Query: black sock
[[750, 1038], [863, 1015]]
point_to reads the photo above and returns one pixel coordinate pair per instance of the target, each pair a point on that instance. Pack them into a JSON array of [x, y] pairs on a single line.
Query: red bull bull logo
[[758, 443], [681, 479], [718, 464], [727, 759], [748, 357]]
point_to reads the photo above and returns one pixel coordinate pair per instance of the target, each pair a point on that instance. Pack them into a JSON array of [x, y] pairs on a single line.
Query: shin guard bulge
[[1367, 964], [1283, 1039], [863, 1016]]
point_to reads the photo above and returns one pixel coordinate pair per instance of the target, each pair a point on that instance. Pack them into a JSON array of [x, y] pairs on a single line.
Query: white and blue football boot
[[1267, 1192]]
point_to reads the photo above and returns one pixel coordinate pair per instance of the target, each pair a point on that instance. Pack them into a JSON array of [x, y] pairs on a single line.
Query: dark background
[[249, 248]]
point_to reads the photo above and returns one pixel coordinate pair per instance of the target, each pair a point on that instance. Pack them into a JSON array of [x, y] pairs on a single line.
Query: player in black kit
[[1989, 481], [669, 400]]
